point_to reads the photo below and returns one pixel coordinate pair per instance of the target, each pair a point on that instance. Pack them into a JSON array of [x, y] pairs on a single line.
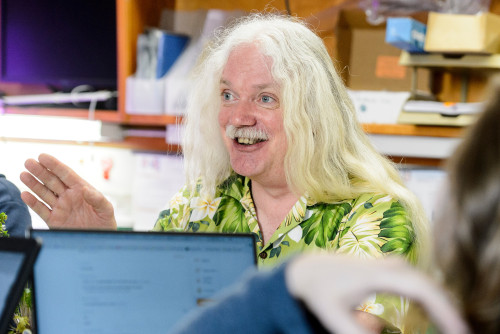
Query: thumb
[[94, 198], [99, 203]]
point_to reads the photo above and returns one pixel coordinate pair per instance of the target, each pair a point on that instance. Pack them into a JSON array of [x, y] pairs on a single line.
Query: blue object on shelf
[[170, 47], [406, 34]]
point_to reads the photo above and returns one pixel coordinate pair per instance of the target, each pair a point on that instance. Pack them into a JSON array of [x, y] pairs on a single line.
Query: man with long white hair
[[272, 147]]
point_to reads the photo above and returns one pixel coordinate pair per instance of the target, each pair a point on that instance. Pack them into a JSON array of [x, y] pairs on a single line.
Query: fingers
[[65, 174], [42, 191], [439, 307], [408, 282], [45, 175], [357, 279], [40, 209]]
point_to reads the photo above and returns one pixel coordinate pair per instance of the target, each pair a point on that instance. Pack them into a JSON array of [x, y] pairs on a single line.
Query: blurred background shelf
[[474, 61]]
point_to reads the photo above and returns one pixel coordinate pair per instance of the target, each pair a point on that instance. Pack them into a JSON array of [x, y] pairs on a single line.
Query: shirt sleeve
[[378, 226], [261, 303]]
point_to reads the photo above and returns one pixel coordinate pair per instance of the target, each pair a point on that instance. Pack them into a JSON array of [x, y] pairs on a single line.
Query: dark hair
[[468, 234]]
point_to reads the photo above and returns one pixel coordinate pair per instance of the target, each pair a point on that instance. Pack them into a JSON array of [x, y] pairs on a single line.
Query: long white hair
[[329, 157]]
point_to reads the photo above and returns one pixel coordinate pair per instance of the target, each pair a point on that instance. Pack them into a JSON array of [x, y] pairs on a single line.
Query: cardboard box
[[406, 34], [366, 61], [458, 33]]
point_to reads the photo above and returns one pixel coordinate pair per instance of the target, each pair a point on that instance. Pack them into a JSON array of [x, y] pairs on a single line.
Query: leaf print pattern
[[323, 224], [371, 225], [396, 229], [230, 218], [362, 239]]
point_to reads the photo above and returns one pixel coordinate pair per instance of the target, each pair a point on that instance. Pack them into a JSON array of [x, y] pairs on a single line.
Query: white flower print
[[178, 200], [371, 307], [203, 206]]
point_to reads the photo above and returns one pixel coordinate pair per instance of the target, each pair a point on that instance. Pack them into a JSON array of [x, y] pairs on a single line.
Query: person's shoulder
[[375, 198], [4, 182], [234, 183], [8, 190], [377, 201]]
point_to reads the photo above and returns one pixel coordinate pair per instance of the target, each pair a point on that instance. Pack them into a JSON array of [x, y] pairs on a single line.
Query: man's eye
[[226, 96], [267, 99]]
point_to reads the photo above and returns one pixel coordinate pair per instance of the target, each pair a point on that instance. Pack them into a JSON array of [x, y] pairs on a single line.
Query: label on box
[[388, 67]]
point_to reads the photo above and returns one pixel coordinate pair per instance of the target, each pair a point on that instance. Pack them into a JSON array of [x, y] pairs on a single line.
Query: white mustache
[[246, 132]]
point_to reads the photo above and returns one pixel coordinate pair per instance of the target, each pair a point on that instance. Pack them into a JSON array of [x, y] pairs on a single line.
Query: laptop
[[17, 257], [131, 282]]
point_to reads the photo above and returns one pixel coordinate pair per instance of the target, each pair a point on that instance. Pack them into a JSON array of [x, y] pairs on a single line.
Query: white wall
[[138, 184]]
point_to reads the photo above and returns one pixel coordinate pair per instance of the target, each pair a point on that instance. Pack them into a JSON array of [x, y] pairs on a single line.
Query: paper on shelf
[[378, 106], [443, 108]]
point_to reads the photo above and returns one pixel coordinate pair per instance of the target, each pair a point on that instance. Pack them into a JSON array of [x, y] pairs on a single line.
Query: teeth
[[247, 141]]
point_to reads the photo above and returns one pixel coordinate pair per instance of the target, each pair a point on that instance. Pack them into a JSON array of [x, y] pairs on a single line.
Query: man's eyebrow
[[268, 85], [259, 86]]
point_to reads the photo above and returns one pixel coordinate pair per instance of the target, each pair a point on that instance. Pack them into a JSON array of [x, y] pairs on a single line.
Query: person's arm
[[331, 286], [259, 304], [67, 200], [19, 219]]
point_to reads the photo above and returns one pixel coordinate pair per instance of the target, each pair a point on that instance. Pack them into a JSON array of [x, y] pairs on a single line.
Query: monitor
[[59, 43]]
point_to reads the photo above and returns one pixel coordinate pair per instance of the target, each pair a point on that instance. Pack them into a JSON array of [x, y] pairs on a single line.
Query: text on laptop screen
[[122, 282]]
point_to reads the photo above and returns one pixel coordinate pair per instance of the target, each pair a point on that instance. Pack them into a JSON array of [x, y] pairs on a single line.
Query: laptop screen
[[131, 282], [9, 270], [17, 256]]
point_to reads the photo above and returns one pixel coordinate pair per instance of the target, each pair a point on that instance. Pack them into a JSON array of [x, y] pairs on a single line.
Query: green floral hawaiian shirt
[[370, 226]]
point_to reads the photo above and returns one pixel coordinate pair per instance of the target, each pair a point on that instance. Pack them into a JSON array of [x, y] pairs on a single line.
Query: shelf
[[130, 143], [475, 61], [150, 144], [151, 120], [413, 130], [425, 162], [111, 116], [415, 144]]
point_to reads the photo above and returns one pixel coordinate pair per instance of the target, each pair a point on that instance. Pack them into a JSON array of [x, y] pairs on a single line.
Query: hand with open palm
[[65, 199]]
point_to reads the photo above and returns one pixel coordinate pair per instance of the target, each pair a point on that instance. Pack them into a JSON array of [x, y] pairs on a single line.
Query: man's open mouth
[[248, 141], [246, 135]]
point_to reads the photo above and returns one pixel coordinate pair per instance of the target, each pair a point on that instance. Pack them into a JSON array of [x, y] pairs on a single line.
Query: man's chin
[[244, 169]]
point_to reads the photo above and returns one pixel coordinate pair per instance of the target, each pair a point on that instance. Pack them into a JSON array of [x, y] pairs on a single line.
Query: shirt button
[[263, 255]]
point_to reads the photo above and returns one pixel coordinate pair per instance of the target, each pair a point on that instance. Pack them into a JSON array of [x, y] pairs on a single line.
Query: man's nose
[[243, 114]]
